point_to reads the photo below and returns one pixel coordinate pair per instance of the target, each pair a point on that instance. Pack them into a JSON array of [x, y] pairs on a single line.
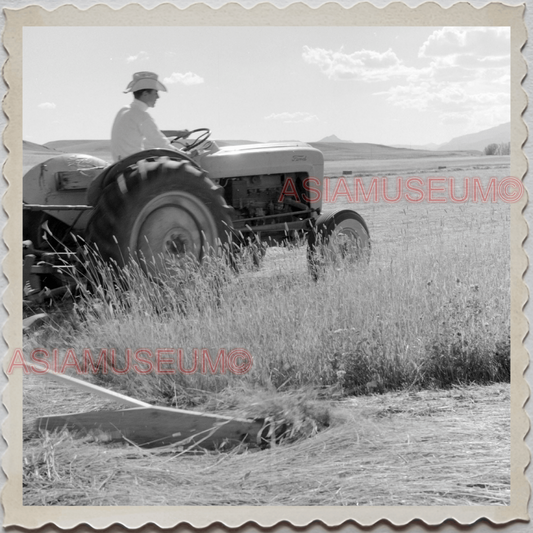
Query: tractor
[[161, 205]]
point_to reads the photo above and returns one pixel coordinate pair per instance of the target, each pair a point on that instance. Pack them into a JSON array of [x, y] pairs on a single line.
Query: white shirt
[[135, 130]]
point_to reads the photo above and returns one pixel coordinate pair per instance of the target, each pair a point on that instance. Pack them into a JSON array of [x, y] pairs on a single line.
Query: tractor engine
[[264, 195], [274, 188]]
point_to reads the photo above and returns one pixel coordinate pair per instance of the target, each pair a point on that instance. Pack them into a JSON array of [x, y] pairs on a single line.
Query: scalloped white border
[[363, 14]]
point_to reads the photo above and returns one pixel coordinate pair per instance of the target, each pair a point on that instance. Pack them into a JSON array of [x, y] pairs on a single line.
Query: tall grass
[[419, 314]]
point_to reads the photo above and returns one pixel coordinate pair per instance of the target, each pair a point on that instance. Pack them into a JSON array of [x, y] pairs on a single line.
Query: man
[[134, 129]]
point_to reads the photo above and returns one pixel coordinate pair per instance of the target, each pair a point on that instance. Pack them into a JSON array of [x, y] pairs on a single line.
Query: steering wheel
[[206, 133]]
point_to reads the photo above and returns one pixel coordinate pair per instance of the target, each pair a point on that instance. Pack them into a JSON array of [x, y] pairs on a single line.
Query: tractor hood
[[267, 158]]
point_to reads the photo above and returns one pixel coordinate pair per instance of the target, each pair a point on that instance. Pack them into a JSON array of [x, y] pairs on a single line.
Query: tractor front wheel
[[338, 238]]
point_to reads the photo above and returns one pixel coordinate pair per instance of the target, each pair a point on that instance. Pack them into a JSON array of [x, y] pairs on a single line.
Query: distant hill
[[472, 141], [352, 151], [430, 146], [333, 139], [80, 146], [333, 151], [478, 141], [34, 147], [331, 146], [96, 146]]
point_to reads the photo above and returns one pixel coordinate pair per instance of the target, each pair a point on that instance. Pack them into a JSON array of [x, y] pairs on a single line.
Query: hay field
[[416, 221], [438, 164], [398, 449], [437, 271]]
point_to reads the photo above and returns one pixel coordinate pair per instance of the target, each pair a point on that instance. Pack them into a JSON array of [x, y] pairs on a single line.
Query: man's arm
[[153, 138]]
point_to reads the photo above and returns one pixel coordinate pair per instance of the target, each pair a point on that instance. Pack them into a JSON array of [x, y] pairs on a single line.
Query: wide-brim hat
[[144, 80]]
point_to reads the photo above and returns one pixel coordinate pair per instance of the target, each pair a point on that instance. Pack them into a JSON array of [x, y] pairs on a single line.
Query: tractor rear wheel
[[338, 237], [159, 213]]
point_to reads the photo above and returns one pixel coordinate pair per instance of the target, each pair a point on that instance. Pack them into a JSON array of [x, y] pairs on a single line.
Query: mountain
[[333, 139], [343, 151], [481, 139]]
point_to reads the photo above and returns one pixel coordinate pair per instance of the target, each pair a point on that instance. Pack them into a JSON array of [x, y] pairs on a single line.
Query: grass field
[[438, 164], [424, 324]]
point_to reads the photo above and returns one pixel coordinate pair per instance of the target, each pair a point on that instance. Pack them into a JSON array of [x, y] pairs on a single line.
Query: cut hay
[[428, 448]]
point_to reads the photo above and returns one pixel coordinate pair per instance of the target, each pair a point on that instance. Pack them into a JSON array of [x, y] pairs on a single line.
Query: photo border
[[429, 14]]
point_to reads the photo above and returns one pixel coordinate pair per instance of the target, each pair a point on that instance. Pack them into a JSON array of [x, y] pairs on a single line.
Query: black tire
[[110, 173], [158, 211], [338, 237]]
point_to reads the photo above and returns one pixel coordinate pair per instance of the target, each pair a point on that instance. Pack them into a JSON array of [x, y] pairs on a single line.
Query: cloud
[[364, 65], [467, 80], [47, 105], [428, 95], [292, 118], [141, 56], [469, 55], [496, 77], [452, 102], [461, 75], [189, 78], [455, 118], [480, 44], [454, 54]]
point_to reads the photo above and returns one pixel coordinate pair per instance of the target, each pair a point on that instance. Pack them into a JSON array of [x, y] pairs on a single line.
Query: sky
[[385, 85]]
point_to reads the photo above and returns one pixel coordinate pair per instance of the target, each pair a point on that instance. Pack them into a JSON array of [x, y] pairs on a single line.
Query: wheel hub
[[172, 228], [178, 242], [347, 243]]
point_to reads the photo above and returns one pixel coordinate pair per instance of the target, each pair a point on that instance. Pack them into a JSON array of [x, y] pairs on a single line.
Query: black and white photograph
[[266, 264]]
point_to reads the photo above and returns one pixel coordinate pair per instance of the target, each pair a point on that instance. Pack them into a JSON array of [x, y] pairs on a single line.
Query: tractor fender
[[62, 180], [328, 221], [111, 173], [60, 177]]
